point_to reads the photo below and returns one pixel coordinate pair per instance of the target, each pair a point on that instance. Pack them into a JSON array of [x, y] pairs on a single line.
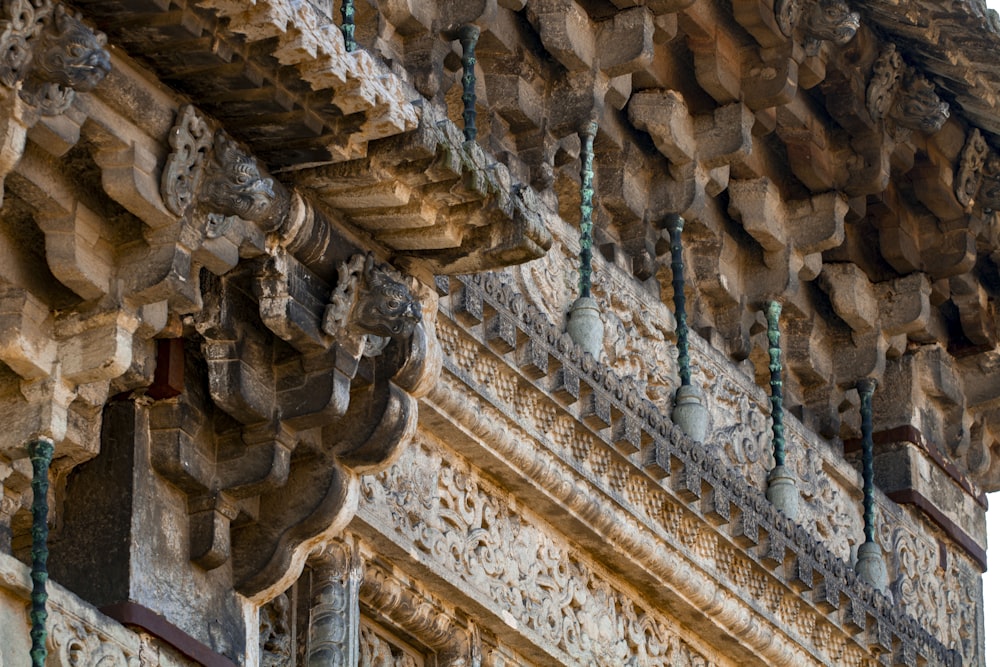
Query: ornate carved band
[[633, 424]]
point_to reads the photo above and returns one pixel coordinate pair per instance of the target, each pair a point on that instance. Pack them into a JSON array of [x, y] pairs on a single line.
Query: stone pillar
[[335, 614]]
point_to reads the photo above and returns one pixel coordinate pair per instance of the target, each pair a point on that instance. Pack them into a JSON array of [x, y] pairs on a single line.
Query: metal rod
[[777, 402], [40, 451], [866, 389], [675, 225], [468, 35], [587, 206], [347, 25]]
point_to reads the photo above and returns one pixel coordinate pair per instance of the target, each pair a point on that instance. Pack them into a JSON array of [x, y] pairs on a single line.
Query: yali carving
[[917, 105], [820, 21], [50, 53], [829, 21]]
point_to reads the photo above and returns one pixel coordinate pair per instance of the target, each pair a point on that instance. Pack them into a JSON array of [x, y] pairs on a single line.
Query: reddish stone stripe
[[912, 435], [130, 613], [915, 498]]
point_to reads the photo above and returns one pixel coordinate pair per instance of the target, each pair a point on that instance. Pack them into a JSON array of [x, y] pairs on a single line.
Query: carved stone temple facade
[[285, 285]]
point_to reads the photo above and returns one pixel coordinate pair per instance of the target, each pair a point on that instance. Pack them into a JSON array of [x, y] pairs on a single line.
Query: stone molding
[[696, 478], [639, 345]]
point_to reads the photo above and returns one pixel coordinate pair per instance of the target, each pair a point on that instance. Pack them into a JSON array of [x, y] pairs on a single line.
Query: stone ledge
[[78, 633], [617, 414]]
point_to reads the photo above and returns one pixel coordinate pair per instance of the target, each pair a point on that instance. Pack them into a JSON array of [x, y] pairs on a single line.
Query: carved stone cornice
[[691, 476]]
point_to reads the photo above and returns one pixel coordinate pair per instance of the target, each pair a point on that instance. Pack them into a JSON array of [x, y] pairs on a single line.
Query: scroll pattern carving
[[73, 644], [491, 301], [469, 529], [970, 166], [947, 597]]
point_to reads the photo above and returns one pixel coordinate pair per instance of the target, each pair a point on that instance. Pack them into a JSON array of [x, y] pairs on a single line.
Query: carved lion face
[[832, 21], [919, 108], [71, 55], [386, 307], [236, 186]]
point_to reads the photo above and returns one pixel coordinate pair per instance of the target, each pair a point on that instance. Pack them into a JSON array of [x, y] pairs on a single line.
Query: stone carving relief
[[470, 530], [191, 140], [945, 596], [825, 479], [638, 347], [820, 21], [917, 105], [50, 53], [886, 74], [977, 181], [275, 633], [970, 166], [896, 92], [72, 643], [379, 652]]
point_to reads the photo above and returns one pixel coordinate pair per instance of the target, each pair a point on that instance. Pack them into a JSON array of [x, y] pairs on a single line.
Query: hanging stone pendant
[[870, 567], [690, 412], [585, 326], [782, 492]]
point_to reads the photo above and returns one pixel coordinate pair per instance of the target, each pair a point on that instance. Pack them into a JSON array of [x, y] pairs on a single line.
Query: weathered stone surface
[[196, 236]]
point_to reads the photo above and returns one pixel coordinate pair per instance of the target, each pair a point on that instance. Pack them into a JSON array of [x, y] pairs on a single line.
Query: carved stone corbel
[[897, 93], [917, 105], [818, 20], [359, 355], [48, 55]]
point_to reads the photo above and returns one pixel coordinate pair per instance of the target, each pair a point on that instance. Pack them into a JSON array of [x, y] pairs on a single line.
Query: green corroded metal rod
[[587, 206], [675, 225], [347, 25], [40, 451], [866, 389], [777, 401], [468, 35]]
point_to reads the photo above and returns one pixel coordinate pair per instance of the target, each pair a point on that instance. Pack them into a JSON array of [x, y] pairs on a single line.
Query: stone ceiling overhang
[[955, 43], [354, 135]]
